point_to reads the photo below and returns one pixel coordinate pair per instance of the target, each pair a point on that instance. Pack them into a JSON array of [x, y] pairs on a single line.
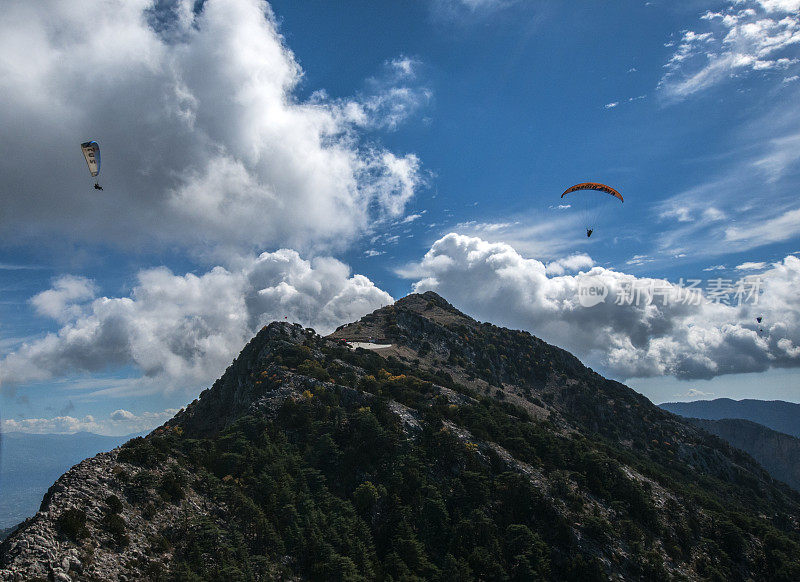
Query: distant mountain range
[[30, 463], [775, 414], [459, 451]]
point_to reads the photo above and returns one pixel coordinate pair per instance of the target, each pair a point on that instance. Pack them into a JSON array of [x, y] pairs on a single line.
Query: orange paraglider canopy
[[593, 186]]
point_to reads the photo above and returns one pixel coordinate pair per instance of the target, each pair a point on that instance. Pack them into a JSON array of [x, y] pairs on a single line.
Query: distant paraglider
[[592, 207], [91, 151]]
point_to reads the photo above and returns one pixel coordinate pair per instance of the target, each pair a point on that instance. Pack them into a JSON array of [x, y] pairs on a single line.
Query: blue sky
[[317, 160]]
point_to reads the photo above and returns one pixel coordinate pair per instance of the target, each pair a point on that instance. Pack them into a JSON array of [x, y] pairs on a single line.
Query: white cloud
[[537, 233], [119, 423], [574, 263], [780, 5], [679, 213], [389, 100], [64, 300], [10, 267], [493, 282], [787, 346], [183, 330], [764, 36], [122, 415], [637, 260], [410, 218], [204, 140], [694, 393], [484, 226], [404, 67], [722, 215], [611, 105], [712, 214], [452, 9], [482, 4], [751, 266], [777, 229], [58, 424], [782, 153]]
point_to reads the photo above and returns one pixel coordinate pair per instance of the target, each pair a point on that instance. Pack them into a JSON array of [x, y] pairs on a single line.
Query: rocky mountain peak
[[451, 450]]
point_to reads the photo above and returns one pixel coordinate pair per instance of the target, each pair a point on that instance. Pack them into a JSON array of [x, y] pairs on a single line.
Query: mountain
[[29, 463], [778, 453], [464, 451], [775, 414]]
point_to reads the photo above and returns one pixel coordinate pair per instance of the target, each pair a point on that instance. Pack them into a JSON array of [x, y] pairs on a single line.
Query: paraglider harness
[[97, 186], [589, 231]]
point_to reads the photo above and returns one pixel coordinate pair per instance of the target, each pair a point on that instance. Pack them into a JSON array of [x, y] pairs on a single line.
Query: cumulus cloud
[[576, 262], [122, 415], [118, 423], [203, 138], [780, 5], [64, 300], [183, 330], [685, 330]]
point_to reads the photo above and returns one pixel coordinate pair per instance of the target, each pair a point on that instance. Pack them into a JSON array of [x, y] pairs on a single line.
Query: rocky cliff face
[[778, 453], [462, 452]]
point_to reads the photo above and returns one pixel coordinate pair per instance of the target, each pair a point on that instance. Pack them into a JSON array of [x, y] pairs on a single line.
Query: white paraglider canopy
[[91, 151]]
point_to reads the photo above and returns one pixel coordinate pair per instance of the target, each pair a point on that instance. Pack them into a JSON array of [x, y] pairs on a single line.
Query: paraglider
[[91, 151], [759, 318], [592, 207]]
